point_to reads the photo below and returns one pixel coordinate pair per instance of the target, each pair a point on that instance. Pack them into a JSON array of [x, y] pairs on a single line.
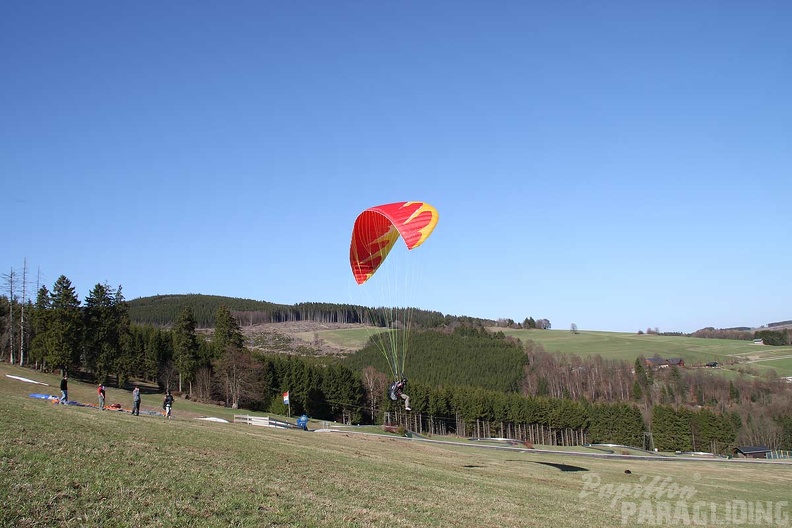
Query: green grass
[[770, 357], [627, 346], [73, 466]]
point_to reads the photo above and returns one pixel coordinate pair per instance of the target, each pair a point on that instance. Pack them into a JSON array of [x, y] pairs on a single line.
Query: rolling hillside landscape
[[733, 355], [262, 259], [343, 338], [506, 423]]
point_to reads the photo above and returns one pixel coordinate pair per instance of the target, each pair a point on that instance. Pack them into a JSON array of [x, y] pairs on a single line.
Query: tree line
[[562, 421], [774, 337], [769, 337], [528, 323], [761, 405], [163, 310]]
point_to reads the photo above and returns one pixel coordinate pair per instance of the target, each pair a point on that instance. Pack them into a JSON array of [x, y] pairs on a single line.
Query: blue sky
[[617, 165]]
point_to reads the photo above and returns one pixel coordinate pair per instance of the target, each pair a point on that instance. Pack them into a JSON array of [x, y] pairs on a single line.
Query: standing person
[[64, 390], [101, 392], [136, 401], [168, 404]]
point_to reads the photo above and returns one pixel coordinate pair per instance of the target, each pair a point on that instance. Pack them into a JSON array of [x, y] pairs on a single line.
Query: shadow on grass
[[560, 467]]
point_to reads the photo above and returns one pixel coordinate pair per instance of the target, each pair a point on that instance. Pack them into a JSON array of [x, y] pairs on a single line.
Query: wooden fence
[[262, 421]]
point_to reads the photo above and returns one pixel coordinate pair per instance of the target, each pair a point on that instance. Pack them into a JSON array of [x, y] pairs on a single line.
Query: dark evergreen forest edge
[[164, 310], [464, 379]]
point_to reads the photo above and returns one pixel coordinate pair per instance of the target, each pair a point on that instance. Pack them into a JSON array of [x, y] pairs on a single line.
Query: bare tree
[[203, 384], [10, 280], [573, 328], [168, 375], [375, 383], [238, 372], [22, 329]]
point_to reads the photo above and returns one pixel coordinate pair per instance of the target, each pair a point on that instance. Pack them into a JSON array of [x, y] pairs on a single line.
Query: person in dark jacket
[[64, 386], [397, 391], [168, 404]]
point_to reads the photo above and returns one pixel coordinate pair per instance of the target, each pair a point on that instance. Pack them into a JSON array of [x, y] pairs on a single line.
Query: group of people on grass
[[167, 404], [396, 392]]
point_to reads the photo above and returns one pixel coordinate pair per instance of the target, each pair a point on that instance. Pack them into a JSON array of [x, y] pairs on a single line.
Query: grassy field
[[695, 351], [614, 345], [77, 466]]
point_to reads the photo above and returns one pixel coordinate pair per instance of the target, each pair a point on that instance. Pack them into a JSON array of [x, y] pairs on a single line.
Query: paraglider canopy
[[374, 234], [377, 229]]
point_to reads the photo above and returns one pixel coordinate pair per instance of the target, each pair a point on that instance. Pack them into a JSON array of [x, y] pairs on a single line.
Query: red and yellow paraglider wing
[[377, 229]]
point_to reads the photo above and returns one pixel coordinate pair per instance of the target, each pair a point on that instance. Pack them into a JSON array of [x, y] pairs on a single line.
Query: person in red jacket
[[101, 392]]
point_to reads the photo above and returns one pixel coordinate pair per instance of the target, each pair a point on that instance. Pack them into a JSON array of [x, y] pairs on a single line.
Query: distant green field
[[695, 351], [783, 367], [614, 345]]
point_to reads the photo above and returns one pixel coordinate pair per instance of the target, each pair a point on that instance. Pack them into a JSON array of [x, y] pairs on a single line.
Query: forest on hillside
[[163, 310], [462, 356]]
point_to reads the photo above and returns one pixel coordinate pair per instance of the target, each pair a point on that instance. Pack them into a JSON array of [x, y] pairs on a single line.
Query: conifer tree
[[186, 347], [100, 349], [125, 361], [65, 329], [42, 312], [233, 362], [227, 331]]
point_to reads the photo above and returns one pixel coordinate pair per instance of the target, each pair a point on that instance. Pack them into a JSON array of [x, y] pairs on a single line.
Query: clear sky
[[617, 164]]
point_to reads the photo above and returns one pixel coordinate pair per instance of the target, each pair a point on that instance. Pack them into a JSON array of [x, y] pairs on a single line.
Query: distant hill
[[163, 310], [781, 325]]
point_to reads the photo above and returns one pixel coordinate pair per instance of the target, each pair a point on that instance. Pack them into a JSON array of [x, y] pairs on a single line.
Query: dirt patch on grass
[[290, 337]]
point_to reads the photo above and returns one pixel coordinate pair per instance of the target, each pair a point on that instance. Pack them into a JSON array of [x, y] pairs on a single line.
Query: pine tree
[[125, 360], [227, 331], [186, 347], [101, 342], [65, 329], [637, 391], [642, 380], [42, 313], [231, 359]]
